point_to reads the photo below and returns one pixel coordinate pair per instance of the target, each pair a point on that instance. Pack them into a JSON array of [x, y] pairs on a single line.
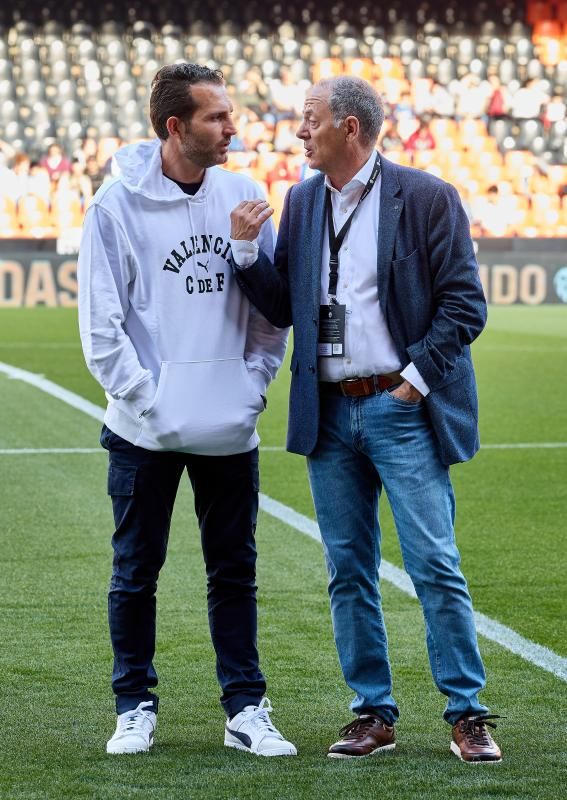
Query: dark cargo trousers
[[143, 485]]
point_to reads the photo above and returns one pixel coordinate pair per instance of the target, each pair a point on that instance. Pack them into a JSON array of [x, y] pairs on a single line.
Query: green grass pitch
[[55, 660]]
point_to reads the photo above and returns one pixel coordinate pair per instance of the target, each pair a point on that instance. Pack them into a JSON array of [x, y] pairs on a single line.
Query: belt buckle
[[351, 381]]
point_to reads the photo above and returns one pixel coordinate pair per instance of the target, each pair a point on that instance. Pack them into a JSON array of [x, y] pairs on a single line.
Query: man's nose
[[301, 132]]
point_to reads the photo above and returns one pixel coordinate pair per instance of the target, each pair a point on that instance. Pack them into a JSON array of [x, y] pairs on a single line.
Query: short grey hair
[[354, 97]]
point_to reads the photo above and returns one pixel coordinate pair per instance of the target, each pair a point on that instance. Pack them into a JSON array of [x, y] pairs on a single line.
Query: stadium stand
[[475, 94]]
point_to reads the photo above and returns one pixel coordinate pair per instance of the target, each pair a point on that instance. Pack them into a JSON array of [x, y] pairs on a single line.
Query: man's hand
[[405, 391], [247, 219]]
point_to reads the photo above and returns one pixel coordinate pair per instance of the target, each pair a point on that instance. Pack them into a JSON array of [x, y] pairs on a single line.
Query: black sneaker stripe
[[246, 740]]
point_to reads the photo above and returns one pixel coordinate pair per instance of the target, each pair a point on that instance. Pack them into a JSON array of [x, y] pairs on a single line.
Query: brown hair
[[171, 93]]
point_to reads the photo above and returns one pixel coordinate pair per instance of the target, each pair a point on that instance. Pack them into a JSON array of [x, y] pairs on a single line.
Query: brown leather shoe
[[365, 736], [473, 743]]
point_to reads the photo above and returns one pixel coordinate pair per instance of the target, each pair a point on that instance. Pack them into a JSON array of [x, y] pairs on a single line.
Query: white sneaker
[[252, 730], [134, 731]]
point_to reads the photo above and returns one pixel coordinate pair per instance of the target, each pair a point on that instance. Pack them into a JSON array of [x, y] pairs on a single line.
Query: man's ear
[[352, 128], [174, 126]]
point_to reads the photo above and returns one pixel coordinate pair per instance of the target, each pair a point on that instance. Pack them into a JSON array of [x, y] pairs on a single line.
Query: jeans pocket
[[401, 402]]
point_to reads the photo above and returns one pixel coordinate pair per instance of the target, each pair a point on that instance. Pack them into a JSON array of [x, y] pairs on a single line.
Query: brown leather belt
[[361, 387]]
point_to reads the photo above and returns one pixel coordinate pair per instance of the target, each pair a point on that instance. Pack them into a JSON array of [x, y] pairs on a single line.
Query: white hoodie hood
[[182, 355]]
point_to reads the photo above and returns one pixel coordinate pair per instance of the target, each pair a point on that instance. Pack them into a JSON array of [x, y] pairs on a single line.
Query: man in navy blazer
[[375, 270]]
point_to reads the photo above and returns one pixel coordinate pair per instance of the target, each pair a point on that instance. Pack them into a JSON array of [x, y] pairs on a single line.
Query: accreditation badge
[[331, 331]]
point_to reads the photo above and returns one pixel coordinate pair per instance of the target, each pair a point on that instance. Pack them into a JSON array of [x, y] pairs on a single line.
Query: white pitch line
[[524, 446], [40, 382], [45, 345], [40, 451], [489, 628]]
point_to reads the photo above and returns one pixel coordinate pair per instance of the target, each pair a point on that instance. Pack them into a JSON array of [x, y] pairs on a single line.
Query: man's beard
[[201, 154]]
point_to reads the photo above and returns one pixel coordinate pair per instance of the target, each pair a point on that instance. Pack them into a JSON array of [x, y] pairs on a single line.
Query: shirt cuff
[[411, 375], [244, 253]]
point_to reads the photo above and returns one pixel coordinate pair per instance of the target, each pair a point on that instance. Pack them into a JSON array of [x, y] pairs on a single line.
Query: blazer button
[[312, 369]]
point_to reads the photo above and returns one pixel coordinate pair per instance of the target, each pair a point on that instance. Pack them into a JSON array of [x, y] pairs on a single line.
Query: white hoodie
[[181, 354]]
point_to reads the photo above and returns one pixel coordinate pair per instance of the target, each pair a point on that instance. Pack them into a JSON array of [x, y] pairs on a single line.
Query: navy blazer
[[428, 287]]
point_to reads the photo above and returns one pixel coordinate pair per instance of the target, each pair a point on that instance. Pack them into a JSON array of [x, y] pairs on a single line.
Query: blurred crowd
[[507, 187]]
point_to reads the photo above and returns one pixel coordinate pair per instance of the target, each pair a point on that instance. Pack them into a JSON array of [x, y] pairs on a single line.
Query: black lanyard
[[335, 241]]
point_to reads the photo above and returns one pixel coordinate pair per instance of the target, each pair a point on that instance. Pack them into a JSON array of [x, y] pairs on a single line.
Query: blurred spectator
[[554, 111], [76, 183], [281, 171], [55, 162], [88, 148], [285, 96], [20, 183], [6, 150], [285, 140], [421, 139], [38, 181], [7, 178], [471, 97], [94, 172], [251, 93], [528, 101], [442, 101], [406, 120], [492, 213], [499, 99], [389, 139], [422, 96]]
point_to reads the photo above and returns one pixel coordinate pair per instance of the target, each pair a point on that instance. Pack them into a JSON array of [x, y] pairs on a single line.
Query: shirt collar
[[362, 176]]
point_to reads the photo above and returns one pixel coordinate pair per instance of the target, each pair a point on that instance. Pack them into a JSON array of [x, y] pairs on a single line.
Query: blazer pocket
[[406, 261]]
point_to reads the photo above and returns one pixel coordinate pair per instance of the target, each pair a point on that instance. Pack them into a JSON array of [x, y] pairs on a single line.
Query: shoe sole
[[243, 748], [129, 752], [454, 748], [384, 749]]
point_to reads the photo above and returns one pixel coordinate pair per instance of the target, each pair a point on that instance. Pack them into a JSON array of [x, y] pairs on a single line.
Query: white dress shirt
[[369, 348]]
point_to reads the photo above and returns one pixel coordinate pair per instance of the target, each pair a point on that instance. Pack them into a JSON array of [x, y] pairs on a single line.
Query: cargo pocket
[[121, 481]]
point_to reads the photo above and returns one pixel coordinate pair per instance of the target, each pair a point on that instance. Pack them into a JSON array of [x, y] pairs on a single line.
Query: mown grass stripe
[[491, 629]]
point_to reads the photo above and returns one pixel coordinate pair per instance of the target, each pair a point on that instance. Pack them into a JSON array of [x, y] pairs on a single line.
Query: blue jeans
[[366, 444], [143, 485]]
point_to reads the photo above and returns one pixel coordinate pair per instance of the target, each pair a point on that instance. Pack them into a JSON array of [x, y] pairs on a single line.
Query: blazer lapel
[[317, 212], [391, 204]]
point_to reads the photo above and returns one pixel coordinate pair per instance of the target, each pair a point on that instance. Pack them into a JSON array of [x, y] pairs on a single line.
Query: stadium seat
[[436, 50], [416, 69], [507, 71], [446, 71]]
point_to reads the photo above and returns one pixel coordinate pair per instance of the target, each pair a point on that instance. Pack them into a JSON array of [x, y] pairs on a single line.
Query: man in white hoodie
[[184, 360]]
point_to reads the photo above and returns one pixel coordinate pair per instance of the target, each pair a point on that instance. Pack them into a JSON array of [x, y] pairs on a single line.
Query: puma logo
[[204, 266]]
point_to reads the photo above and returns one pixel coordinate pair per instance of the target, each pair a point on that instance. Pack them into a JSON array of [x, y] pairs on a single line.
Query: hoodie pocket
[[205, 407]]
